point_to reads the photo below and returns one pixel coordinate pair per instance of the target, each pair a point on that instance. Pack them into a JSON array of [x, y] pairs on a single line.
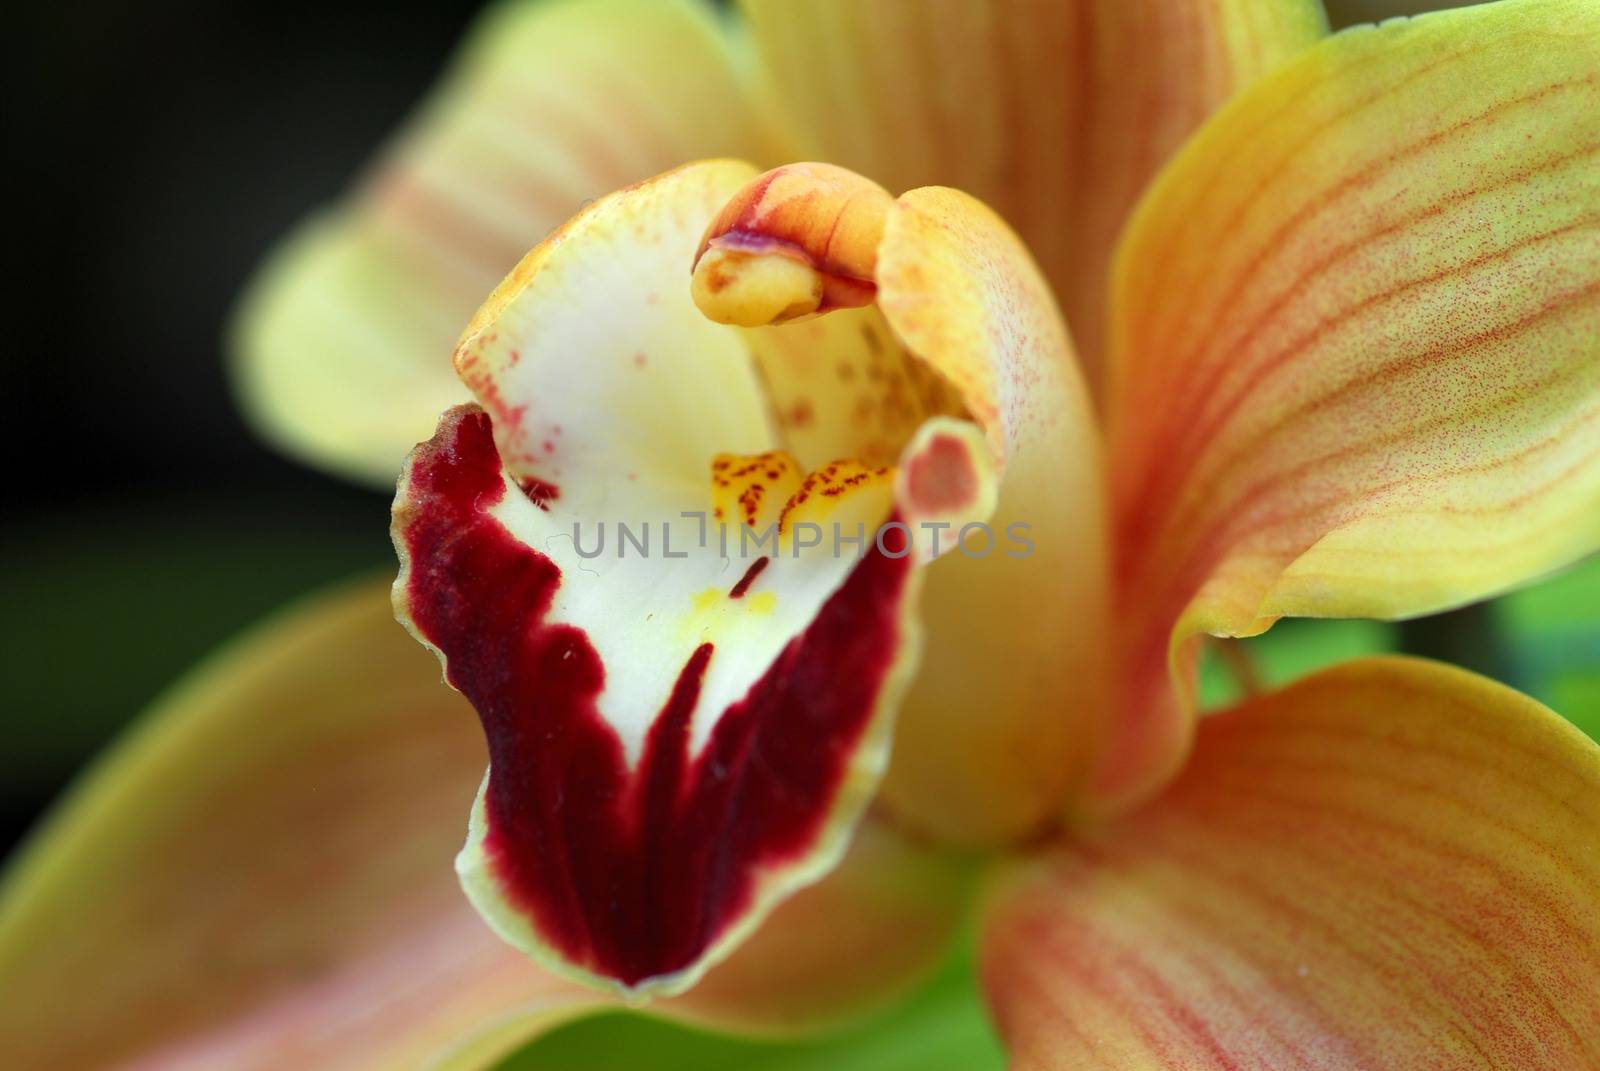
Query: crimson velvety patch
[[633, 872]]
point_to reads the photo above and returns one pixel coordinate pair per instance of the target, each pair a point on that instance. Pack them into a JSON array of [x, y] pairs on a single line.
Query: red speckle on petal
[[631, 873], [540, 492]]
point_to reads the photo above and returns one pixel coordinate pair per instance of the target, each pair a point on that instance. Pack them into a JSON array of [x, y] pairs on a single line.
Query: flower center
[[792, 258], [799, 240]]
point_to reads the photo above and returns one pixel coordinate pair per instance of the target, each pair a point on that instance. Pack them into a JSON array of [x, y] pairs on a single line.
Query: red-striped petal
[[1055, 114], [1389, 865], [1357, 367]]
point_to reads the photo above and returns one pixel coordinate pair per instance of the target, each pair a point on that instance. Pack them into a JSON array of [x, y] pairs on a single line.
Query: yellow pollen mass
[[754, 287]]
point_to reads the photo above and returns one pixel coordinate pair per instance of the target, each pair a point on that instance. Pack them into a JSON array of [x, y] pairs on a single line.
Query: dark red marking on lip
[[748, 578], [632, 874], [540, 492]]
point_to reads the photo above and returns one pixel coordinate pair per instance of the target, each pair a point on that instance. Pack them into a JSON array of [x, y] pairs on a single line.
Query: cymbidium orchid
[[1345, 361]]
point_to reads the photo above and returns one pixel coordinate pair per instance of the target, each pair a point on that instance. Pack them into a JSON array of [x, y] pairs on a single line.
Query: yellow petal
[[261, 878], [1357, 344], [1389, 865], [1054, 114], [342, 344], [1004, 713]]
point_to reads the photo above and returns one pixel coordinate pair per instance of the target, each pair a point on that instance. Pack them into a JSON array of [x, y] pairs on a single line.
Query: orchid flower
[[1336, 355]]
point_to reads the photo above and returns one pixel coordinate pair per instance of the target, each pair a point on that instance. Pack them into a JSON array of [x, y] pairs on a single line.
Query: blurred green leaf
[[1570, 600], [1553, 629], [942, 1028], [1291, 649], [1550, 632]]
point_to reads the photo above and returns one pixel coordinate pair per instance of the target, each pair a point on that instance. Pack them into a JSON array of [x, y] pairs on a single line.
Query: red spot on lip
[[540, 492], [748, 578], [632, 873]]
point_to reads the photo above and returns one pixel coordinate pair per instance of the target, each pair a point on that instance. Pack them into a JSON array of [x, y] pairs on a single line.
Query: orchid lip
[[678, 739], [656, 854]]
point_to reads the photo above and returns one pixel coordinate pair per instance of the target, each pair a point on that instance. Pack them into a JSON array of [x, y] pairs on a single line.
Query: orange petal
[[1005, 712], [1055, 114], [1357, 357], [261, 878], [1389, 865], [342, 344]]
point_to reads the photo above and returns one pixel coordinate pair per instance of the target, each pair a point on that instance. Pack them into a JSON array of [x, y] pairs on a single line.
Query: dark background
[[156, 152]]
